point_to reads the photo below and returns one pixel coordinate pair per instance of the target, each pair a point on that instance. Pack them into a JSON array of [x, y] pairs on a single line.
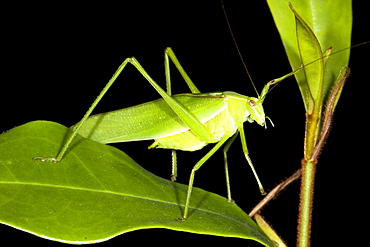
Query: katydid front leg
[[245, 150]]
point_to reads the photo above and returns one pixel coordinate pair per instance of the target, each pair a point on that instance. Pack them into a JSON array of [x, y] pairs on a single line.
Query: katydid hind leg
[[87, 114], [189, 118], [184, 114], [246, 154], [180, 110], [169, 53]]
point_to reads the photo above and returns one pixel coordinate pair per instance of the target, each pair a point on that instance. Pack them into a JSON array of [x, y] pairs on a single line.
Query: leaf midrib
[[117, 194]]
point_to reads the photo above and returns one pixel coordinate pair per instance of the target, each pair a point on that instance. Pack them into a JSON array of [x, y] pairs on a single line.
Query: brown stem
[[328, 115], [273, 193]]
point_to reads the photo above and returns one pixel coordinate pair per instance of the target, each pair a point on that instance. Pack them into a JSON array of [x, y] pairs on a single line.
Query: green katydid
[[186, 121]]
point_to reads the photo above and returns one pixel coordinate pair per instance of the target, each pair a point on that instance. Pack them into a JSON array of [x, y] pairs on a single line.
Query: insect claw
[[182, 219], [43, 159], [230, 201], [262, 191]]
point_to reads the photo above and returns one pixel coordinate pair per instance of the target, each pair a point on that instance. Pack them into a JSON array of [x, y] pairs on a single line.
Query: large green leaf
[[97, 192], [331, 22]]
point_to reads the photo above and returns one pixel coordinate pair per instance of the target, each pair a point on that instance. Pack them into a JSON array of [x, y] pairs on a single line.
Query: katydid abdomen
[[220, 113]]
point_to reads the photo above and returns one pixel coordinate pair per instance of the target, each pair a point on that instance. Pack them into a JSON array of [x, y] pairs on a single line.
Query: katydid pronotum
[[186, 121]]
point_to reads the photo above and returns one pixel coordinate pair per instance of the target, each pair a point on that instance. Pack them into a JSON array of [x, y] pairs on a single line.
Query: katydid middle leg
[[192, 175], [226, 148]]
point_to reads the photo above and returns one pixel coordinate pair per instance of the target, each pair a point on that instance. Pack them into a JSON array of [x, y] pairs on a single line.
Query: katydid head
[[255, 108]]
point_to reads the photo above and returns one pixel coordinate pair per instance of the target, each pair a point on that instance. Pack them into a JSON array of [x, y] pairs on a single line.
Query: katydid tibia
[[186, 121]]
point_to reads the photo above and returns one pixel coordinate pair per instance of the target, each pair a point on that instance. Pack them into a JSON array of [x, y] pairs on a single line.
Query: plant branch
[[273, 193], [309, 164], [329, 112]]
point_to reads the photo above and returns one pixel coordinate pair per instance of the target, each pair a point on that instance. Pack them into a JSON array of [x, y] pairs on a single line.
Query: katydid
[[185, 122]]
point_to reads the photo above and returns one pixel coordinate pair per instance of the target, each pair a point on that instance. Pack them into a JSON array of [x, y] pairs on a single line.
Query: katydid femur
[[181, 122]]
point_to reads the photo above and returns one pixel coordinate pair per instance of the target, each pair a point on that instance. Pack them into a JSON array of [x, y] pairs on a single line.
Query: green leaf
[[310, 50], [97, 192], [330, 21]]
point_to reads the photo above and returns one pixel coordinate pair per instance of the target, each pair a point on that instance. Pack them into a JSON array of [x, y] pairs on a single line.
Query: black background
[[57, 58]]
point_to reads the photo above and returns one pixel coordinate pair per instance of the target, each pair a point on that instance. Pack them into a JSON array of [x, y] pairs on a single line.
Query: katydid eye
[[252, 103]]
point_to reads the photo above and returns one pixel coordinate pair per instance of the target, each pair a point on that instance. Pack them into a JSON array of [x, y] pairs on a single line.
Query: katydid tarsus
[[185, 122]]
